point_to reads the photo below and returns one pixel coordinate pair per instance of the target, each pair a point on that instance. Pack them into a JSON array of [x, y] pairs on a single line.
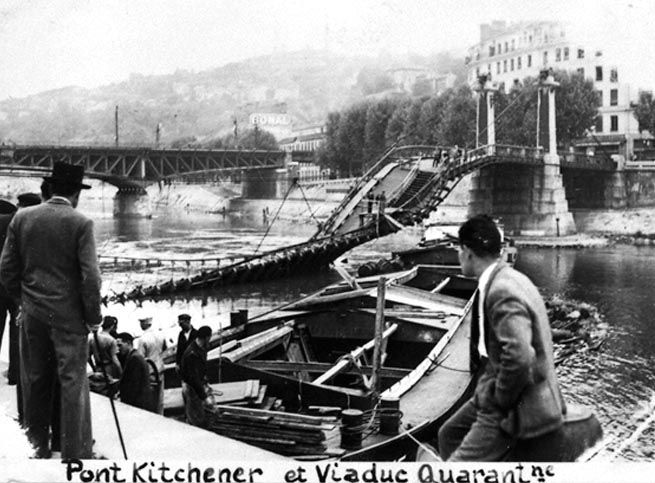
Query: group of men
[[50, 290], [49, 269]]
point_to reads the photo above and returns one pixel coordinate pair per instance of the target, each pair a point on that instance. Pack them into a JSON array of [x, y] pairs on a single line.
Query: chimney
[[485, 31]]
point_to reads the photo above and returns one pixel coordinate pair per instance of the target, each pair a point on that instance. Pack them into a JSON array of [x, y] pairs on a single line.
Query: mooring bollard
[[351, 429], [390, 415]]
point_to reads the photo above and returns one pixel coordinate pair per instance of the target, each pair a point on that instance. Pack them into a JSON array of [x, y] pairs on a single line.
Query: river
[[617, 381]]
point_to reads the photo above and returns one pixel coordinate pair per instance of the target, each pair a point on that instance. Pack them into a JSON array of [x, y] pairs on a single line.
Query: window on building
[[614, 97], [580, 53], [517, 83], [504, 65], [545, 58], [599, 73], [511, 65], [477, 55], [489, 68], [500, 51], [614, 75], [566, 53], [506, 49], [492, 51], [512, 44], [600, 97], [530, 38], [497, 67], [501, 86], [614, 123], [529, 60], [599, 124], [518, 63], [558, 54], [477, 72], [581, 71]]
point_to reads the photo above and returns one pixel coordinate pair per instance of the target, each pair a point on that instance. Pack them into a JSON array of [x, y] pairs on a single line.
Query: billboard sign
[[269, 119]]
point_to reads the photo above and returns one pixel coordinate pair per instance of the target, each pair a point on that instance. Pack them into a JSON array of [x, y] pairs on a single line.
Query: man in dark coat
[[193, 371], [7, 305], [135, 381], [517, 396], [187, 334], [49, 265]]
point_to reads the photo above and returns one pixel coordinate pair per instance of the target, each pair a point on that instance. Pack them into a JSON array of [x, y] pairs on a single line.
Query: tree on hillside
[[330, 153], [576, 109], [378, 117], [397, 122], [458, 122], [645, 111], [431, 117], [254, 139], [350, 139], [577, 104], [412, 131]]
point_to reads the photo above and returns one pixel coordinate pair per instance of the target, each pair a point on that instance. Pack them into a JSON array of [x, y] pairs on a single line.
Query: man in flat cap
[[151, 346], [49, 266], [187, 334]]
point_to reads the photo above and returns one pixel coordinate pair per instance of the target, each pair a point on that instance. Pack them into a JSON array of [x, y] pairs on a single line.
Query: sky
[[48, 44]]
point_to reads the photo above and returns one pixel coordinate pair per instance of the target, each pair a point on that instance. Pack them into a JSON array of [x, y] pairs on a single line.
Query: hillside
[[305, 84]]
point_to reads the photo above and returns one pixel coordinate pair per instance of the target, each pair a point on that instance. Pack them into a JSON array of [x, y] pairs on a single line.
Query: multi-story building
[[510, 53]]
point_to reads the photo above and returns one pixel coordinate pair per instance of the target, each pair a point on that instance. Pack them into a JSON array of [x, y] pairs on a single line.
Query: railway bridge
[[132, 169]]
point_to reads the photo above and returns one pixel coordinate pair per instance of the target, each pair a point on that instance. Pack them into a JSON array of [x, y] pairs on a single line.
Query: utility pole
[[157, 134], [116, 124]]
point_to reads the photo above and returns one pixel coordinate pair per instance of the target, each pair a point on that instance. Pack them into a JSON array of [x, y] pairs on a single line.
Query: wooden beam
[[320, 367], [343, 363], [379, 325]]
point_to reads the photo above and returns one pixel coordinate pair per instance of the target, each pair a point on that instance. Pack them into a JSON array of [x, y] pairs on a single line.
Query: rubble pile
[[576, 326]]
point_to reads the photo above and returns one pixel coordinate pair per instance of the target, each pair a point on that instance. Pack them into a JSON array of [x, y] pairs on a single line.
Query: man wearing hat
[[49, 266], [152, 345], [187, 334]]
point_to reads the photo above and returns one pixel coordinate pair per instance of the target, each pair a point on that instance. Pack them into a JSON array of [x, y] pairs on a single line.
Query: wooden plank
[[320, 367], [164, 437], [421, 298], [231, 391], [345, 362], [260, 344], [379, 326], [282, 415]]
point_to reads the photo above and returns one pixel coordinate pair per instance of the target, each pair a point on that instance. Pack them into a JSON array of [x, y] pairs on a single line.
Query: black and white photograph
[[327, 241]]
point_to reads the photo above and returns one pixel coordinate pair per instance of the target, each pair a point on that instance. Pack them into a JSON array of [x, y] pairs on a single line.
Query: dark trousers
[[56, 355], [193, 408], [8, 317], [474, 434]]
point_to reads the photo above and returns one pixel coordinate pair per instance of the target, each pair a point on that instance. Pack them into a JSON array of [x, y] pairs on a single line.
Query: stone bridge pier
[[132, 202], [528, 199]]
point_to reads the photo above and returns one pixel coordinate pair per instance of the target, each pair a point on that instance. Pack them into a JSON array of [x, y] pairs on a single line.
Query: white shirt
[[151, 346], [483, 281]]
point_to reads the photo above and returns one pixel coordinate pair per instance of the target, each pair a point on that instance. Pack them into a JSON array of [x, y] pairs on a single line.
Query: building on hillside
[[306, 138], [512, 52], [411, 80]]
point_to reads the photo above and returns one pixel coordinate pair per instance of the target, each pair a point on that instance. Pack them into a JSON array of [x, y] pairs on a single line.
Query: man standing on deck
[[187, 334], [517, 396], [193, 372], [49, 266], [151, 346]]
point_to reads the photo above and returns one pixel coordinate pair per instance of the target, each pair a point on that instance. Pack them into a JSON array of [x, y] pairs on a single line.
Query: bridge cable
[[268, 228], [311, 213], [504, 111]]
